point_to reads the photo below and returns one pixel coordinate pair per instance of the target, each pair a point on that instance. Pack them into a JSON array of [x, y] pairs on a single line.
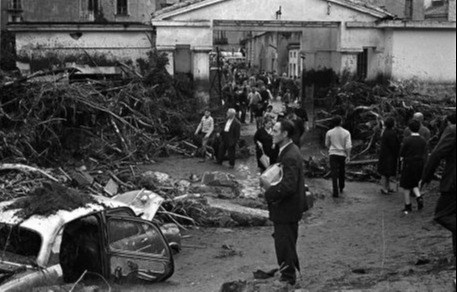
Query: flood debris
[[364, 107]]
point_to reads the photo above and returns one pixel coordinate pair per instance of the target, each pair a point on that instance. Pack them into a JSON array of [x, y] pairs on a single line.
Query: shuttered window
[[122, 7]]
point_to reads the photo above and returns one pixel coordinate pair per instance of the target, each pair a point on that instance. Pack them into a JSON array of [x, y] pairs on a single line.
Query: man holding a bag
[[286, 201]]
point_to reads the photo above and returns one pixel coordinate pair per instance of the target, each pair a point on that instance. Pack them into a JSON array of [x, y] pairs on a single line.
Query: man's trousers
[[338, 169], [285, 237], [445, 214]]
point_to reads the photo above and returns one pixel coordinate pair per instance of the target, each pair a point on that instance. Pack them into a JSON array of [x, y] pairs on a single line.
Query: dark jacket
[[233, 135], [287, 201], [388, 155], [444, 150]]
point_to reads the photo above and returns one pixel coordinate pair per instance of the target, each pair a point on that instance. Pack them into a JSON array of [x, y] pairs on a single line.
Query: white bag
[[273, 174]]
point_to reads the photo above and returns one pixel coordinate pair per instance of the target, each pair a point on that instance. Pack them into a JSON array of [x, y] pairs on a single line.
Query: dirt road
[[360, 242]]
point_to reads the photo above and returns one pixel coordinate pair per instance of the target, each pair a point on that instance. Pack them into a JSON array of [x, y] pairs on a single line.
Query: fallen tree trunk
[[26, 168]]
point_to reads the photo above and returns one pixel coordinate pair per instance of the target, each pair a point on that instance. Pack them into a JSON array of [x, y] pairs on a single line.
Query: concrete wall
[[292, 10], [74, 11], [119, 45], [427, 55]]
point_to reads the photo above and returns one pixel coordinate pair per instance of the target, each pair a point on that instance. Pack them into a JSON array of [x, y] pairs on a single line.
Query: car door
[[137, 251]]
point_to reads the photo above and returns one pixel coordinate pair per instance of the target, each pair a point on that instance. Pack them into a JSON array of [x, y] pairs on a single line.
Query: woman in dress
[[388, 156], [413, 153]]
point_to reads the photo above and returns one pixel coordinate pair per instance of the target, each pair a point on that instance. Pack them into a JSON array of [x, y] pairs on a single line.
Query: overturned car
[[104, 238]]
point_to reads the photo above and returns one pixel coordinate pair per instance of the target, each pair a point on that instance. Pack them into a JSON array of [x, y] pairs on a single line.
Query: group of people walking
[[416, 166], [277, 140]]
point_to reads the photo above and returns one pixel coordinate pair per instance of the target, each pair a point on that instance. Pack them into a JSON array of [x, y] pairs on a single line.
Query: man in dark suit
[[230, 136], [286, 201], [445, 213]]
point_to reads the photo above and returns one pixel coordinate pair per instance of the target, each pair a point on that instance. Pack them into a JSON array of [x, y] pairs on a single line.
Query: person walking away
[[204, 131], [413, 153], [424, 132], [230, 136], [254, 100], [338, 141], [388, 155], [263, 140], [243, 99], [445, 212], [286, 201], [300, 111], [264, 93]]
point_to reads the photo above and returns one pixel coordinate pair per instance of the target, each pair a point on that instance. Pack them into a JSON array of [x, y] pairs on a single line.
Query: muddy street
[[359, 242]]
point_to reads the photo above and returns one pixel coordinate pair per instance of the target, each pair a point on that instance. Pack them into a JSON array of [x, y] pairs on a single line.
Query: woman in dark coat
[[413, 153], [264, 144], [388, 156]]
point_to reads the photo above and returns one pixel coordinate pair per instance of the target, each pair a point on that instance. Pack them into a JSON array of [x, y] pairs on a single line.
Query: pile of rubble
[[201, 201], [45, 118]]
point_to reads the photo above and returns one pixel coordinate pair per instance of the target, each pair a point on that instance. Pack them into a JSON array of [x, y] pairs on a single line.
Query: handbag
[[273, 174]]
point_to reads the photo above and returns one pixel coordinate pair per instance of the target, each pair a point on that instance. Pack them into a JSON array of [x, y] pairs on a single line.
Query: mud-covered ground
[[360, 242]]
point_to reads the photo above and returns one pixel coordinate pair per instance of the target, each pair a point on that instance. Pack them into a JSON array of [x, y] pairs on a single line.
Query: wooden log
[[243, 215], [26, 168], [363, 162]]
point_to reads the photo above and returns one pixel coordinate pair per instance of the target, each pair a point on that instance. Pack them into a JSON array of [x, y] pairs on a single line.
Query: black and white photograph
[[228, 145]]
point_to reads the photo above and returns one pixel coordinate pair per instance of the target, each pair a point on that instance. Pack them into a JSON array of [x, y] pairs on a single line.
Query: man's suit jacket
[[287, 200], [234, 133], [444, 150]]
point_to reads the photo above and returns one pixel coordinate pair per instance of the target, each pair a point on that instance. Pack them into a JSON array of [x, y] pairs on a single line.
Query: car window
[[19, 245], [132, 236]]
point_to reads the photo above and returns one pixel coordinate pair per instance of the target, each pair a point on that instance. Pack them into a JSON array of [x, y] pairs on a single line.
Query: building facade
[[343, 35], [61, 31]]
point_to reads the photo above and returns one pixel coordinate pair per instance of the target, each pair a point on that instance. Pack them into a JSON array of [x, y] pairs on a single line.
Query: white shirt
[[206, 125], [284, 147], [338, 140], [228, 124]]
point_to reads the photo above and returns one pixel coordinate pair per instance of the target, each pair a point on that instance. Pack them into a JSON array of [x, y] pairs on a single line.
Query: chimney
[[452, 11]]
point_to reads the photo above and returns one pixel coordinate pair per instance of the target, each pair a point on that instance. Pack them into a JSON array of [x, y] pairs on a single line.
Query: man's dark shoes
[[420, 203]]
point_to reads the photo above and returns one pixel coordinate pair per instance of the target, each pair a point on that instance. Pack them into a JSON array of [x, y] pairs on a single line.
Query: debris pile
[[132, 119], [364, 108], [48, 200]]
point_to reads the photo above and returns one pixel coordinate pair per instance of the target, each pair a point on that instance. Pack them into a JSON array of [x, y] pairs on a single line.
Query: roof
[[358, 5], [441, 11], [52, 222], [48, 227]]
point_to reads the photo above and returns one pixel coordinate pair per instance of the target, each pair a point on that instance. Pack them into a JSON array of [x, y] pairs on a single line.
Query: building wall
[[77, 11], [432, 59], [292, 10], [112, 45]]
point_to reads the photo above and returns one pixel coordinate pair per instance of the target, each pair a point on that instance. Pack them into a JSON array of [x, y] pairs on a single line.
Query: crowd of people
[[279, 137]]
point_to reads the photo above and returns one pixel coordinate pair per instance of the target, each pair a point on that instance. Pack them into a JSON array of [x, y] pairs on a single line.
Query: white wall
[[292, 10], [426, 55], [120, 45]]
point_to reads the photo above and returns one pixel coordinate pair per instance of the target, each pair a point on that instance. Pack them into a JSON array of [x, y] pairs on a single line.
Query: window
[[92, 5], [15, 5], [134, 236], [409, 9], [19, 245], [362, 64], [122, 7]]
